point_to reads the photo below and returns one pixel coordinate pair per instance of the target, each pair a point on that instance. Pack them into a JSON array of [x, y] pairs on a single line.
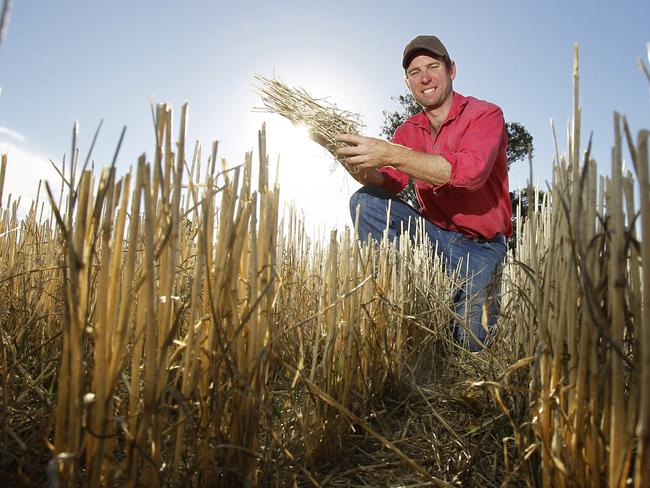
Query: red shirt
[[475, 202]]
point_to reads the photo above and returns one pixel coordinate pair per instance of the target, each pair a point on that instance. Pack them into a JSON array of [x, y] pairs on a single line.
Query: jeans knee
[[369, 198], [355, 200]]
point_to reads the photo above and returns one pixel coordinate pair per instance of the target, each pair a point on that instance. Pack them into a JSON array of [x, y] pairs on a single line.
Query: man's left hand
[[365, 152]]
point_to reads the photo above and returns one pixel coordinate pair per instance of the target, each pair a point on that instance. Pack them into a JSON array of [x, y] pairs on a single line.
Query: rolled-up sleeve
[[479, 147]]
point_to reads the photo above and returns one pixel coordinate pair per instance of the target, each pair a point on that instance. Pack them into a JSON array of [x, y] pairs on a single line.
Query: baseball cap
[[424, 43]]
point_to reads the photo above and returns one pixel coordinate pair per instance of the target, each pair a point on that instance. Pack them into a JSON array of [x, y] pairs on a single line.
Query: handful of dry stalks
[[323, 119]]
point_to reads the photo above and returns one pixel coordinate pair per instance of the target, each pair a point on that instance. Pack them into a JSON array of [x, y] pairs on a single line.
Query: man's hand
[[365, 152], [365, 155]]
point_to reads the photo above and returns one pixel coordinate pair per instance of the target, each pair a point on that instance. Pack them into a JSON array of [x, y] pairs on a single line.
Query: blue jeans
[[480, 281]]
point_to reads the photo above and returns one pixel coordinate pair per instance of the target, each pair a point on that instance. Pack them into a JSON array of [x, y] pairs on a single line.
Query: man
[[455, 151]]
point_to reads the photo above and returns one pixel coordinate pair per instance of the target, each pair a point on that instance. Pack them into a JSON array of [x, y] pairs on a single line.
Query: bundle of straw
[[323, 119]]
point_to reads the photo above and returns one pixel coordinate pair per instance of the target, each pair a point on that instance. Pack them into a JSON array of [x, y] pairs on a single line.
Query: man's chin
[[426, 104], [429, 107], [422, 104]]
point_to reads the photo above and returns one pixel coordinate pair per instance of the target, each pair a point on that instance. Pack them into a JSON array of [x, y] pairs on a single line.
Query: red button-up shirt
[[475, 202]]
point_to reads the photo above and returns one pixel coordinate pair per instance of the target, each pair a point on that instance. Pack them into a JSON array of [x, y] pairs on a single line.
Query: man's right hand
[[366, 175]]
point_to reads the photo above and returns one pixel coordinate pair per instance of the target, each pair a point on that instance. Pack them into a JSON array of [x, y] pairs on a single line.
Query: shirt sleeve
[[394, 179], [477, 150]]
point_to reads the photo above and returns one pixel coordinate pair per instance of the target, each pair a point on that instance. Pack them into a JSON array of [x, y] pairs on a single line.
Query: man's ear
[[408, 85], [452, 71]]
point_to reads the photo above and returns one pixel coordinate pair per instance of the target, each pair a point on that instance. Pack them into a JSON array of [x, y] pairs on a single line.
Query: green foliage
[[392, 120], [519, 142]]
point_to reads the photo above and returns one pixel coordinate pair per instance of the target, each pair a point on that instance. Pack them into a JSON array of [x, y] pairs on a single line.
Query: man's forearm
[[367, 155], [432, 168]]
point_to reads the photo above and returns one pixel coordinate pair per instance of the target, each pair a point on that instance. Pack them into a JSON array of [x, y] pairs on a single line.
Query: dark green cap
[[424, 43]]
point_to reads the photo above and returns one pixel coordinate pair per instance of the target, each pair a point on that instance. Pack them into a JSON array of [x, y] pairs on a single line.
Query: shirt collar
[[457, 105]]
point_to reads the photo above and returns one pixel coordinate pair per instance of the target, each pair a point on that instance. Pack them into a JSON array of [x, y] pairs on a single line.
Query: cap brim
[[408, 57]]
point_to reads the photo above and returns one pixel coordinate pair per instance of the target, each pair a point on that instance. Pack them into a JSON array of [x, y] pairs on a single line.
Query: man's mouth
[[428, 90]]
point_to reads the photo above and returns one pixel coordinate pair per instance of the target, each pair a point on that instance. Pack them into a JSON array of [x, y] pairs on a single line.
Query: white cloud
[[25, 168], [12, 134]]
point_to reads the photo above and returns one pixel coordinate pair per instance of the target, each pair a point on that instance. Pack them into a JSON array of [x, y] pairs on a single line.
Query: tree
[[520, 142], [392, 120]]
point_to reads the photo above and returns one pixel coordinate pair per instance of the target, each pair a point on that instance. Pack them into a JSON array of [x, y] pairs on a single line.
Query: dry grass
[[323, 119], [167, 327], [175, 331], [582, 267]]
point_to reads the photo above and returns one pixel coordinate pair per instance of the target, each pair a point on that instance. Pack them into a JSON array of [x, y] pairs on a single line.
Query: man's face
[[429, 81]]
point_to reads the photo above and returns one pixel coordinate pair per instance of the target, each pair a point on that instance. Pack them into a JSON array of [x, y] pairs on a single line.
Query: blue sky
[[82, 61]]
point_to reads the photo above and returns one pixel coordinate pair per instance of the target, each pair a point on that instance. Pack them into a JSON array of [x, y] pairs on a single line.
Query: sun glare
[[290, 140], [308, 174], [301, 131]]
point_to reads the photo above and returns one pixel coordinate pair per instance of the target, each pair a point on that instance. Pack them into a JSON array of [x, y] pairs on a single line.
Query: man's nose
[[425, 76]]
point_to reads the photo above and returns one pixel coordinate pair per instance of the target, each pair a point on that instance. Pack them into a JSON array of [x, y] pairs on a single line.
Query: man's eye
[[413, 73]]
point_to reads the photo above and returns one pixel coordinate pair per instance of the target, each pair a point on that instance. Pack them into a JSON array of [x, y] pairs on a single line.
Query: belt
[[497, 238]]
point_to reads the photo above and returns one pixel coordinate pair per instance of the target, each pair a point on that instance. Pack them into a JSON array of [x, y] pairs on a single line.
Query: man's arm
[[369, 154], [466, 168]]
